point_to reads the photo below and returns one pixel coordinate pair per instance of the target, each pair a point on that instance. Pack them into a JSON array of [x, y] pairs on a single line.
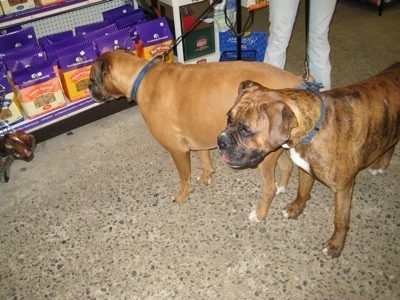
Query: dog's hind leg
[[382, 163], [306, 182], [267, 172], [285, 167], [182, 163], [207, 166]]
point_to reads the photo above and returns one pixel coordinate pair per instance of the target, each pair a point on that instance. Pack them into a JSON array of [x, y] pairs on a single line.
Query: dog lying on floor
[[331, 136], [185, 106]]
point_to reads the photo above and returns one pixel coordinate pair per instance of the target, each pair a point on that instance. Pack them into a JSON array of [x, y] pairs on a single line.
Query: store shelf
[[44, 12], [177, 3], [74, 114], [71, 117]]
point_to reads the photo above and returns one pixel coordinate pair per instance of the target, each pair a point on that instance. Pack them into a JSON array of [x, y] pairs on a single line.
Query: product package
[[115, 13], [251, 41], [74, 64], [55, 38], [38, 89], [154, 39], [83, 29], [28, 56], [10, 112], [118, 39], [13, 6], [18, 39], [52, 48], [130, 21], [43, 3], [10, 29], [90, 36]]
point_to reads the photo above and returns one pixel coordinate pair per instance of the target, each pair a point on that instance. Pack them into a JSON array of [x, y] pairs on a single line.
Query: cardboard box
[[43, 3], [199, 42], [12, 6]]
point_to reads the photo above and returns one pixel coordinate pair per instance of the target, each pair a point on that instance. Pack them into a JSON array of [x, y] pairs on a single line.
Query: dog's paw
[[331, 253], [280, 189], [253, 217], [376, 171], [285, 214], [204, 180]]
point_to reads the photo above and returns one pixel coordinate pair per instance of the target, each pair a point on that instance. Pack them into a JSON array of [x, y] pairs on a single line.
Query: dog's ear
[[248, 85], [101, 68], [281, 122]]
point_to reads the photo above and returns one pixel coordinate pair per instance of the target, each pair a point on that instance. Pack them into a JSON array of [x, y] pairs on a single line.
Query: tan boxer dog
[[331, 136], [185, 106]]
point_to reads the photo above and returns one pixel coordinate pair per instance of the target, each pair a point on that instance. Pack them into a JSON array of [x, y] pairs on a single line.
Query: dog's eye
[[244, 132]]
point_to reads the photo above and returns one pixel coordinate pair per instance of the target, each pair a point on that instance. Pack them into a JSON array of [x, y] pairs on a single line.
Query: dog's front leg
[[267, 172], [306, 182], [285, 167], [335, 244], [182, 163]]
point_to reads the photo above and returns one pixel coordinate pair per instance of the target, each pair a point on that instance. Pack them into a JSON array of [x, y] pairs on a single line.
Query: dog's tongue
[[225, 158]]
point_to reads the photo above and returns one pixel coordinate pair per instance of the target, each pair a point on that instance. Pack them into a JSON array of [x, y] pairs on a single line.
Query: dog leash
[[306, 75], [314, 87], [192, 26]]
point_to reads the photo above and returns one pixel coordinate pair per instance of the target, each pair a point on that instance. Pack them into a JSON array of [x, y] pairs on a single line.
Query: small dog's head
[[258, 123], [19, 145]]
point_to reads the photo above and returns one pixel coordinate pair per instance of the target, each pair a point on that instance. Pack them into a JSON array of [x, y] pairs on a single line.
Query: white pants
[[282, 14]]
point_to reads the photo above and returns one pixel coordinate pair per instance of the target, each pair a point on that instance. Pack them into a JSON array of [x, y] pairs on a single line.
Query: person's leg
[[282, 14], [318, 43]]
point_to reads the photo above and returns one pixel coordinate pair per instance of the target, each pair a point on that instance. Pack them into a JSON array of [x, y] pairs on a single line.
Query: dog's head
[[19, 145], [107, 76], [258, 123]]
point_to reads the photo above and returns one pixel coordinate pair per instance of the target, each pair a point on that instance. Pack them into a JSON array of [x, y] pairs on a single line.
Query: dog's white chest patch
[[298, 160]]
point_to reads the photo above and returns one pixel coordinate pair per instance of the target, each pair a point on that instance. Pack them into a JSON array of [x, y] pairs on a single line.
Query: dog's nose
[[223, 141]]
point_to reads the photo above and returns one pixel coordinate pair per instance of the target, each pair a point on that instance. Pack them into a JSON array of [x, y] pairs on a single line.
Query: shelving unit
[[179, 54], [44, 20], [44, 12]]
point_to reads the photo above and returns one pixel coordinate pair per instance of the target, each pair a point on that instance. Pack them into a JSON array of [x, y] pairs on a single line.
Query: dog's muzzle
[[96, 94], [234, 154]]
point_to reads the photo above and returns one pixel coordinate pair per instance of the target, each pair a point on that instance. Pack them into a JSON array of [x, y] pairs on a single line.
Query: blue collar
[[314, 87], [140, 77]]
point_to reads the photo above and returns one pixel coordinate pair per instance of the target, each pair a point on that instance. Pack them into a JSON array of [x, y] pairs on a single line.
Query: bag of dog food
[[10, 29], [18, 39], [90, 36], [55, 38], [28, 56], [119, 39], [154, 37], [10, 112], [38, 89], [112, 14], [83, 29], [74, 65]]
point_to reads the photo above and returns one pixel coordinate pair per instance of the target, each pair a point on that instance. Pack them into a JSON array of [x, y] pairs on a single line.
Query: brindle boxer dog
[[184, 106], [331, 136]]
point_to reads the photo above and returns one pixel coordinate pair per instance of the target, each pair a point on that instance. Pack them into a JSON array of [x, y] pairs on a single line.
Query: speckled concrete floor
[[91, 218]]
